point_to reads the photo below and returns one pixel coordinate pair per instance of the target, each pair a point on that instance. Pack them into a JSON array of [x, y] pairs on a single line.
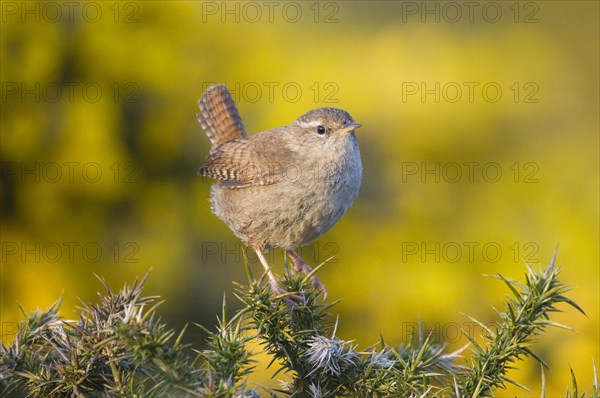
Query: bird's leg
[[301, 266], [275, 287]]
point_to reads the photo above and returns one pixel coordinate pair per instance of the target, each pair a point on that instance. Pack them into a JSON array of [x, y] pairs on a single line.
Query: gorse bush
[[120, 347]]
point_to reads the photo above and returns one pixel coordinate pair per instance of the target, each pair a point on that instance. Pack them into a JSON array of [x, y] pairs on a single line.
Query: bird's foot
[[301, 266], [291, 299]]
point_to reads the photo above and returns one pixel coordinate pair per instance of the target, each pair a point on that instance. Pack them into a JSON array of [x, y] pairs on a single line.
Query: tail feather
[[219, 116]]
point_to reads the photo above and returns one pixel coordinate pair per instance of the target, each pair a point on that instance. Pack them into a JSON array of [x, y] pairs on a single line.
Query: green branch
[[525, 316], [120, 347]]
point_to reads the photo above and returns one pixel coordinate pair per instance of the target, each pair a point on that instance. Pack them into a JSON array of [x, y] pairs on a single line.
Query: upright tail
[[219, 116]]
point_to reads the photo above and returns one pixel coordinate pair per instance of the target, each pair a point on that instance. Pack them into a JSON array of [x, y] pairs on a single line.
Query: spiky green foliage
[[525, 316], [119, 347], [299, 334], [228, 359]]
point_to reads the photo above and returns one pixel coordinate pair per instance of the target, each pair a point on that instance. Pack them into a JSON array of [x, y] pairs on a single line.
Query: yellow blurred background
[[479, 143]]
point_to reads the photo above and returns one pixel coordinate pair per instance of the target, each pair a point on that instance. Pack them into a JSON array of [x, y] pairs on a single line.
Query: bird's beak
[[350, 127]]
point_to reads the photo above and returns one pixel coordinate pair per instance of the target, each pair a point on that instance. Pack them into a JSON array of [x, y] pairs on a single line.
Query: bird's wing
[[219, 116], [250, 162]]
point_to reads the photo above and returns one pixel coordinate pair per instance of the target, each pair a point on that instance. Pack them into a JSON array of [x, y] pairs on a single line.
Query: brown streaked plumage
[[219, 117], [285, 187]]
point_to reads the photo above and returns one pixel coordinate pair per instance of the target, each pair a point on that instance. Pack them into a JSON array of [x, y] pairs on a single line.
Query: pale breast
[[296, 210]]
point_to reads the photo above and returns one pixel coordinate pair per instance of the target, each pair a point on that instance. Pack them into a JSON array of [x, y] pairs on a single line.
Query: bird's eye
[[320, 130]]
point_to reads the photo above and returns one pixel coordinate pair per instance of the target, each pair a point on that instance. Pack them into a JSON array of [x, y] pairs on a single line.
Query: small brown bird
[[282, 188]]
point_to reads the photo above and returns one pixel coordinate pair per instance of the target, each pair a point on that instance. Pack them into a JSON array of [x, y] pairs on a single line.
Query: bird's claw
[[301, 266]]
